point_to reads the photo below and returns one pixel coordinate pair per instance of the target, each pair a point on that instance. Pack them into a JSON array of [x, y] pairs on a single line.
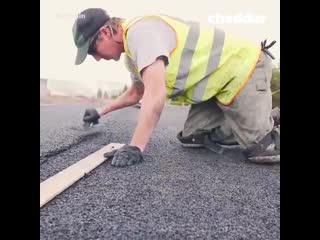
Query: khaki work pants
[[247, 120]]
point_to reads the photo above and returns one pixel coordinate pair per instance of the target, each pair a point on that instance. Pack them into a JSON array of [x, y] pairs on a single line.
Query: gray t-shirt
[[147, 40]]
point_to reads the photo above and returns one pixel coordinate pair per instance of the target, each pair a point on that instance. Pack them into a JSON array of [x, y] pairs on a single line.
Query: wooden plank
[[58, 183]]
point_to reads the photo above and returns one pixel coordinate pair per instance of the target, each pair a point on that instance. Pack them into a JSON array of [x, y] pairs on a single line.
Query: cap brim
[[82, 53]]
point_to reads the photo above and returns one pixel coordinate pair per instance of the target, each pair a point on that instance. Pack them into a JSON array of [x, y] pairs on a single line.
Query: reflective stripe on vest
[[213, 64], [188, 52], [186, 58]]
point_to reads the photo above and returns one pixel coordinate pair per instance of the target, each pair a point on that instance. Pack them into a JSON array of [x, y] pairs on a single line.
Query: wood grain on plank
[[56, 184]]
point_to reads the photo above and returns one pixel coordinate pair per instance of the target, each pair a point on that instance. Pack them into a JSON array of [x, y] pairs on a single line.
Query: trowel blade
[[88, 127]]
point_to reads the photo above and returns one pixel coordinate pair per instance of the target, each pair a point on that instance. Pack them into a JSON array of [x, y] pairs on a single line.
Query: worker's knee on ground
[[252, 136], [248, 129], [270, 143]]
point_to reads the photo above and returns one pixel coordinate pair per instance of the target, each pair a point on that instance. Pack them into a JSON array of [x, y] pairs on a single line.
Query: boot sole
[[187, 145], [265, 159]]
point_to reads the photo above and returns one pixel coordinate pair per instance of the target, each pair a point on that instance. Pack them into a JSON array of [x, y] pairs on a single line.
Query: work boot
[[267, 150], [215, 143], [202, 139], [192, 141]]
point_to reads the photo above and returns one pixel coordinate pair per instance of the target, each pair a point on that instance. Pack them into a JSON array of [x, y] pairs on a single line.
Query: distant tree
[[99, 93], [105, 95], [275, 87], [114, 95]]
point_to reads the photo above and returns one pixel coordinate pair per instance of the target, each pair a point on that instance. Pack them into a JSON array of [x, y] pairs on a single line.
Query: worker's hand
[[91, 115], [126, 156]]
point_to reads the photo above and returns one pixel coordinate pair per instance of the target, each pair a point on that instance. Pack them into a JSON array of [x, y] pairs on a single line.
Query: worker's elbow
[[134, 96], [137, 97]]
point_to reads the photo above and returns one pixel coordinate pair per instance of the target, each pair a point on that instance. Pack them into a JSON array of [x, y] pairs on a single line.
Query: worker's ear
[[106, 31]]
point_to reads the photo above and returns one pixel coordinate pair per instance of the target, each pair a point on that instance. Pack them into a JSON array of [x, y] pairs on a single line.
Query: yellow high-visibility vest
[[206, 62]]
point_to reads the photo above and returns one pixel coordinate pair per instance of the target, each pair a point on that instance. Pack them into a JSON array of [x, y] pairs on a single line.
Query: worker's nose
[[97, 58]]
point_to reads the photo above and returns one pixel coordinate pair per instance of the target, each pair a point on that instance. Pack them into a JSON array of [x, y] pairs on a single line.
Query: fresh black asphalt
[[176, 193]]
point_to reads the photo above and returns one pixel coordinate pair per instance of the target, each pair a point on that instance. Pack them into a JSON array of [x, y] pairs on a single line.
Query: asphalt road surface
[[176, 193]]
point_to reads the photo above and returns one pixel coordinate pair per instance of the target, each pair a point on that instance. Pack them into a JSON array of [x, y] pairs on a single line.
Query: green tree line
[[275, 87]]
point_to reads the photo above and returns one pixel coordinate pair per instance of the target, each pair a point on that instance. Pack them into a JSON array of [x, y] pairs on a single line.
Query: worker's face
[[107, 45]]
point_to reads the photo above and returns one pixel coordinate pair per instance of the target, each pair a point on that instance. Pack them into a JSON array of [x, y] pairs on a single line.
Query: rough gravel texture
[[176, 193]]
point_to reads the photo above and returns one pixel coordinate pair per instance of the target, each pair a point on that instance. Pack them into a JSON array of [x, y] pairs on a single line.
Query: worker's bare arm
[[132, 96], [152, 103]]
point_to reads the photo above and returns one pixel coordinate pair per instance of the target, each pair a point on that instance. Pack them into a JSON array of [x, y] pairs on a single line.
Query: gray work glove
[[91, 115], [125, 156]]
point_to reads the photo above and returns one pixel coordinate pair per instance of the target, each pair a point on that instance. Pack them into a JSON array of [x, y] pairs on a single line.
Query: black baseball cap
[[85, 28]]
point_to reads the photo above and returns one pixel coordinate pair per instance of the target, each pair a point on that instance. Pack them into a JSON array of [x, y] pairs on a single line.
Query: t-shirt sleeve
[[150, 39]]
